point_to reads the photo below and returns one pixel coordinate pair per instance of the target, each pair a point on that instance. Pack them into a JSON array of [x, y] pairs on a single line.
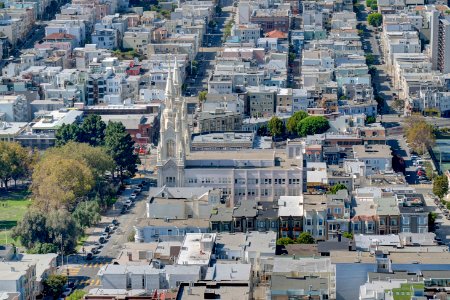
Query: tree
[[41, 232], [419, 134], [305, 238], [15, 162], [93, 130], [337, 187], [291, 125], [429, 170], [370, 59], [86, 214], [370, 119], [262, 131], [68, 132], [53, 285], [32, 229], [58, 182], [285, 241], [120, 147], [432, 216], [62, 230], [76, 295], [375, 19], [312, 125], [275, 126], [202, 95], [348, 235], [96, 158], [43, 248], [440, 186]]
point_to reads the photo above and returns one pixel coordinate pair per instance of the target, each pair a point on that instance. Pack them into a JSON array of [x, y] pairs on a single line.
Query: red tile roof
[[59, 36], [276, 34]]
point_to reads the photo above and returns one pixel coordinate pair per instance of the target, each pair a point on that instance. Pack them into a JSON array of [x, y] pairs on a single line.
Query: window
[[262, 224], [393, 222], [405, 220], [320, 222], [370, 227], [170, 149], [337, 210], [320, 232], [308, 222]]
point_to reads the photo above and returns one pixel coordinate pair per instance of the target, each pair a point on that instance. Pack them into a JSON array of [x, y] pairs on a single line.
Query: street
[[206, 56], [82, 272]]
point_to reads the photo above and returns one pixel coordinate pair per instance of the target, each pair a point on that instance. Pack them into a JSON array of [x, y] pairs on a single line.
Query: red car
[[420, 173]]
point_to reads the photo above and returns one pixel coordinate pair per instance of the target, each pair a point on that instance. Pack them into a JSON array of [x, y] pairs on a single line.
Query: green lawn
[[12, 208]]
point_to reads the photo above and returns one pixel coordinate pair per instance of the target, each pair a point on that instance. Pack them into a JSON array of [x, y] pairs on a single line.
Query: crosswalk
[[87, 282], [94, 265]]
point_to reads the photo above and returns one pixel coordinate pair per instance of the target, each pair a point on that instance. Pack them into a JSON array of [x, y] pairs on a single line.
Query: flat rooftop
[[196, 249], [228, 292]]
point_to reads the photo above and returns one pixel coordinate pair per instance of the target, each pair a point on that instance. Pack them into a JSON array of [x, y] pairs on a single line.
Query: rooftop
[[196, 249], [290, 206], [224, 292], [262, 242]]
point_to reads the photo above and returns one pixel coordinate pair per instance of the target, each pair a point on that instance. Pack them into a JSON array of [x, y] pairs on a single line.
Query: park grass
[[13, 206]]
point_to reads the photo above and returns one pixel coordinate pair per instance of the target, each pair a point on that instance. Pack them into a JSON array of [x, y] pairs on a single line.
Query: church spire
[[177, 78], [170, 89]]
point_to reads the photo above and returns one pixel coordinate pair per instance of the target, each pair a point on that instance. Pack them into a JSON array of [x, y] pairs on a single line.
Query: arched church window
[[170, 149]]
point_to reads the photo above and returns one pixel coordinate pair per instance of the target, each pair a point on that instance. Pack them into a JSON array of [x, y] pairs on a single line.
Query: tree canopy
[[58, 182], [15, 162], [202, 95], [41, 231], [440, 186], [96, 158], [86, 214], [375, 19], [120, 147], [291, 125], [419, 134], [54, 284], [337, 187], [305, 238], [91, 131], [312, 125], [275, 126]]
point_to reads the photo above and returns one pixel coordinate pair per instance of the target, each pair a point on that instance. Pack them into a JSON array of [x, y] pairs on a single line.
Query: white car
[[133, 196], [128, 202], [138, 189]]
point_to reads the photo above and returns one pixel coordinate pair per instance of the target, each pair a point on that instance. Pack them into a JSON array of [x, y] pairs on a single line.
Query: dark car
[[123, 210], [115, 222], [89, 256], [95, 250]]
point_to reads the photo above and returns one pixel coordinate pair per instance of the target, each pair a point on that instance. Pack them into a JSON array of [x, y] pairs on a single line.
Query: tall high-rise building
[[443, 49]]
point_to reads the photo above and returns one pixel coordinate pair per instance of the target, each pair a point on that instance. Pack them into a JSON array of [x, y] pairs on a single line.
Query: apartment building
[[271, 19]]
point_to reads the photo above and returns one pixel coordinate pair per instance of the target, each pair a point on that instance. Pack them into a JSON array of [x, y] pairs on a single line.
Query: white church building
[[262, 175]]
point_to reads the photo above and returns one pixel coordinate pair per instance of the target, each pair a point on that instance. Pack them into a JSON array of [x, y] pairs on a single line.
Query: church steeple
[[170, 92], [177, 79]]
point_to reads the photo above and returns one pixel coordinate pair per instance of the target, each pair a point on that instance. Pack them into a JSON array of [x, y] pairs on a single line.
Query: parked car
[[105, 235], [89, 256], [123, 210], [115, 222], [95, 250], [107, 229], [98, 245], [133, 196], [67, 292], [128, 202], [102, 240]]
